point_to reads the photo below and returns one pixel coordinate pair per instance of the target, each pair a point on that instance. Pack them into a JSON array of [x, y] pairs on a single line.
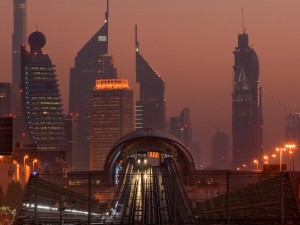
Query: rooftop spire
[[136, 40], [243, 25], [107, 11]]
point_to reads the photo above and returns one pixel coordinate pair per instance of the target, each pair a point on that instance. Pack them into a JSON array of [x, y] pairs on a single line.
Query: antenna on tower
[[107, 11], [243, 25], [136, 40]]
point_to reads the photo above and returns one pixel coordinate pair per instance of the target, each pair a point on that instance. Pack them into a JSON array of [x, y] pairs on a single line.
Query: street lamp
[[266, 161], [33, 162], [24, 159], [256, 161], [291, 146], [280, 156], [275, 157]]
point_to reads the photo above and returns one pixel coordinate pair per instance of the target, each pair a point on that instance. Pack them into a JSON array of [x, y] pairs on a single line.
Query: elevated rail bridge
[[150, 178]]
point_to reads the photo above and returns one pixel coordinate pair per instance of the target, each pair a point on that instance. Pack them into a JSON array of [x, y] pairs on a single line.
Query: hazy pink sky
[[189, 42]]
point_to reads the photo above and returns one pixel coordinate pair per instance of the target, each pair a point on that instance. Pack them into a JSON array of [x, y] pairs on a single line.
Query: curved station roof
[[146, 140]]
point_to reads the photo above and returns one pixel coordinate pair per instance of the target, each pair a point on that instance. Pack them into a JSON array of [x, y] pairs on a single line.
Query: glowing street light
[[280, 156], [266, 161], [24, 160], [33, 162], [256, 161], [274, 156], [291, 146]]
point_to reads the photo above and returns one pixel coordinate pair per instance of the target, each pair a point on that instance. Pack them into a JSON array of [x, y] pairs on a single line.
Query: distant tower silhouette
[[42, 105], [91, 63], [247, 122], [180, 127], [18, 38], [150, 109], [220, 145]]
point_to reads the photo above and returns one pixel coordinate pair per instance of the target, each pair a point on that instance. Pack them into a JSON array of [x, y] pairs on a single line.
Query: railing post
[[35, 198], [89, 199], [174, 203], [281, 198], [228, 197]]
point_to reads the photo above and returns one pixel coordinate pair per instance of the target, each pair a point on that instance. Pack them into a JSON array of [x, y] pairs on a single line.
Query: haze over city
[[189, 43]]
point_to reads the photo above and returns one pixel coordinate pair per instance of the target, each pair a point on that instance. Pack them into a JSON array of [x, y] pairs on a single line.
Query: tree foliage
[[1, 196], [13, 195]]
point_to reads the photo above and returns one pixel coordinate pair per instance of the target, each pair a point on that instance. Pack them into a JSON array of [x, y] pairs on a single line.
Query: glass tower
[[150, 109], [41, 104], [91, 63]]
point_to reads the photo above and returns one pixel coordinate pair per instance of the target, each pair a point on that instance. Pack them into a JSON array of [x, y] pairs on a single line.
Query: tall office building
[[18, 38], [247, 122], [5, 98], [41, 104], [180, 127], [292, 129], [220, 150], [150, 109], [71, 122], [112, 117], [292, 136], [91, 63]]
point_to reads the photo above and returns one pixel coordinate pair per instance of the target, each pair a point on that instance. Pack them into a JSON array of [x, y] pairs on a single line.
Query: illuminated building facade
[[41, 104], [111, 118], [150, 109], [220, 150], [247, 122], [5, 98], [91, 63]]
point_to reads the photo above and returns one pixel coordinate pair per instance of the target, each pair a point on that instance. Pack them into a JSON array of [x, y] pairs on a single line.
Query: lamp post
[[275, 157], [266, 161], [33, 162], [256, 162], [291, 146], [24, 159], [280, 156]]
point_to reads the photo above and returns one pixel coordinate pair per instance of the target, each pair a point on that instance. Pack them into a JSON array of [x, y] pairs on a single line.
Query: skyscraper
[[292, 136], [71, 122], [150, 109], [292, 129], [220, 147], [41, 104], [180, 127], [247, 122], [91, 63], [18, 38], [112, 117]]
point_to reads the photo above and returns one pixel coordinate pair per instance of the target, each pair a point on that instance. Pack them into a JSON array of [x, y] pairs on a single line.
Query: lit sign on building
[[153, 154], [102, 38], [111, 84]]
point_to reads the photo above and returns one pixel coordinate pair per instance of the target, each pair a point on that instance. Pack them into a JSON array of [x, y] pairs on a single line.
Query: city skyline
[[202, 67]]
